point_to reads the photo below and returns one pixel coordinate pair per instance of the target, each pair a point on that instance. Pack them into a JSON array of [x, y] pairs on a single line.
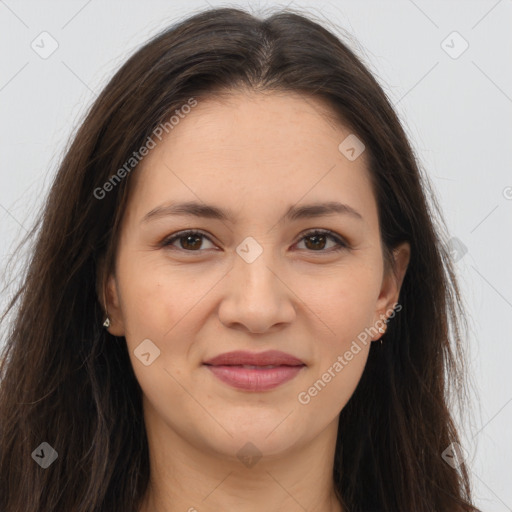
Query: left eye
[[316, 240], [320, 237]]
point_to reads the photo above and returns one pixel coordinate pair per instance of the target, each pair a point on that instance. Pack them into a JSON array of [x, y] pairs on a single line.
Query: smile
[[255, 371], [255, 378]]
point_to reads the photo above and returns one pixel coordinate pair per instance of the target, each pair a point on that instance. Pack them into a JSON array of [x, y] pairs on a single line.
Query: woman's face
[[256, 279]]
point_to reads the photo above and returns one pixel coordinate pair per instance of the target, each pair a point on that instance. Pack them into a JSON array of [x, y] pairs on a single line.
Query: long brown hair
[[68, 382]]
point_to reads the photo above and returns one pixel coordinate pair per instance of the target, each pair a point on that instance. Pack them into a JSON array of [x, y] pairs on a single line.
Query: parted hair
[[66, 381]]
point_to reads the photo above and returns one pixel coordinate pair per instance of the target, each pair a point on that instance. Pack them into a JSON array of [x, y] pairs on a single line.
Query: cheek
[[331, 389], [345, 301], [155, 318], [156, 296], [346, 310], [346, 307]]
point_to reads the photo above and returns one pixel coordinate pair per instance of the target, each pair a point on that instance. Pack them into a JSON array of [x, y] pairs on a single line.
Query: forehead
[[253, 148], [283, 124]]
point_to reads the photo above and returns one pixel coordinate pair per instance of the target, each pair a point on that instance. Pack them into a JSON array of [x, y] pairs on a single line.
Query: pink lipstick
[[255, 371]]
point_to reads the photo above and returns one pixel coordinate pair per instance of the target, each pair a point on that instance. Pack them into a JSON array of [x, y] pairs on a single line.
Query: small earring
[[382, 330], [106, 323]]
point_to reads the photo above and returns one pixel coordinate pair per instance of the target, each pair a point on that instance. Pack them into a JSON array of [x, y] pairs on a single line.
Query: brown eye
[[317, 241], [189, 241]]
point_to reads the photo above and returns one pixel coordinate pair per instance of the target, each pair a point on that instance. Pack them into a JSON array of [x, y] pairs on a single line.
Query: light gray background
[[457, 112]]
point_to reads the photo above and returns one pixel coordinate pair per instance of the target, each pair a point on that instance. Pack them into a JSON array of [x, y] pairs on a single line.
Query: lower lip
[[255, 379]]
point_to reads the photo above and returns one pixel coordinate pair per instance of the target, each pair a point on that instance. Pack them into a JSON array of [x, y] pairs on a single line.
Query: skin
[[255, 154]]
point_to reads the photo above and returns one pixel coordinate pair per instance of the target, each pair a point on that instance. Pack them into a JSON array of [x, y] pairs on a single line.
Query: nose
[[257, 298]]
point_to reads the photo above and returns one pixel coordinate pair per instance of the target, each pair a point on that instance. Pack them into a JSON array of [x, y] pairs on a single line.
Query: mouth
[[255, 371]]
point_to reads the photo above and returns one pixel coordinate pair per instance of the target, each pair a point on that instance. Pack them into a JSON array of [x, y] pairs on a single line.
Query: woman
[[238, 298]]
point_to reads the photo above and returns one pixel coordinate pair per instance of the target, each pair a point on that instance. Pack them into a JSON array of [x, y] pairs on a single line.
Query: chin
[[269, 438]]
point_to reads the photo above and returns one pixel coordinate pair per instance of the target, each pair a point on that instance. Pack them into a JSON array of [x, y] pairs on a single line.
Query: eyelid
[[340, 241], [167, 241]]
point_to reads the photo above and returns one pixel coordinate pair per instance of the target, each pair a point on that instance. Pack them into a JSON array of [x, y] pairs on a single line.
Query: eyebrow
[[294, 212]]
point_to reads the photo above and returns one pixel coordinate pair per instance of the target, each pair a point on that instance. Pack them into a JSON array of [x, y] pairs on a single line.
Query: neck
[[187, 477]]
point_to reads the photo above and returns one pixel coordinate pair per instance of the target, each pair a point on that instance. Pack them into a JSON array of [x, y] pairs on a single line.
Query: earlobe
[[391, 285], [113, 323], [106, 289]]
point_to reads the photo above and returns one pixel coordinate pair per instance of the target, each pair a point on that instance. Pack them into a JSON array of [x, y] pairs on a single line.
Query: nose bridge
[[252, 264], [256, 297]]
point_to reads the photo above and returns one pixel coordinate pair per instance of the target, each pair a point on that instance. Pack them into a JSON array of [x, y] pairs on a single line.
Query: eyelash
[[341, 244]]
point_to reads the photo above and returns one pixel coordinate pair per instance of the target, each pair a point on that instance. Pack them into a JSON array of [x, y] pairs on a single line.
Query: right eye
[[190, 240]]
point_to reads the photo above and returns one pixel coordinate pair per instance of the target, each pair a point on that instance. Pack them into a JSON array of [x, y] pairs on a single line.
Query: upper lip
[[240, 357]]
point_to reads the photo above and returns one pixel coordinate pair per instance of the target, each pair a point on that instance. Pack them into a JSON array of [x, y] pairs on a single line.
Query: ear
[[108, 296], [391, 283]]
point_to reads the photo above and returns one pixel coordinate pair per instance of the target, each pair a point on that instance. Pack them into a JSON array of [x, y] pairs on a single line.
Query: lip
[[230, 369], [240, 357]]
